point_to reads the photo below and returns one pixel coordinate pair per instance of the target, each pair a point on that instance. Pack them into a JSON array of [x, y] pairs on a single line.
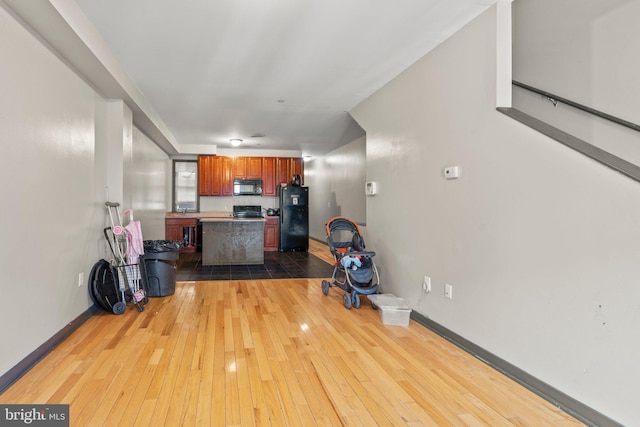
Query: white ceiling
[[286, 69]]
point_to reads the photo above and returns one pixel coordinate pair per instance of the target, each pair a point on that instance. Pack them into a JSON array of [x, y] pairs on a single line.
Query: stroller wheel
[[346, 300], [355, 300], [325, 287], [119, 307]]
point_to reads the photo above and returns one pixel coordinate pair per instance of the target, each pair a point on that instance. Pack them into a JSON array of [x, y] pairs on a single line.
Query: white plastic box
[[393, 310]]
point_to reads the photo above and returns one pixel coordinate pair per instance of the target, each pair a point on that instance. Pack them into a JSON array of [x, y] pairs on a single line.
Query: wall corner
[[503, 53]]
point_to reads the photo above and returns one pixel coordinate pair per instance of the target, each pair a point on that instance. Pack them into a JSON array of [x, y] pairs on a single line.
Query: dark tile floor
[[277, 265]]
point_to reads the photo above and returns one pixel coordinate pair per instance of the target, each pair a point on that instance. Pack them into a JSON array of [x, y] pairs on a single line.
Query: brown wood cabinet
[[240, 167], [215, 176], [204, 175], [269, 176], [286, 167], [271, 233], [209, 175], [297, 167], [183, 230], [282, 171], [216, 173], [254, 167], [226, 185], [247, 167]]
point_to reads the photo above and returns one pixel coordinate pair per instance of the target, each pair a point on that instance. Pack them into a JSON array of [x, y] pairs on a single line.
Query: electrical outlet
[[426, 284], [448, 291], [80, 279]]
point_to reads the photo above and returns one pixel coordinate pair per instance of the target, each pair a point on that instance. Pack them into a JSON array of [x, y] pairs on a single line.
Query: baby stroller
[[354, 270]]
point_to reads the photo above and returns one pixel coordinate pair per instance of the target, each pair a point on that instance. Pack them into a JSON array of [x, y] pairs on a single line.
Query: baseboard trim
[[554, 396], [15, 373]]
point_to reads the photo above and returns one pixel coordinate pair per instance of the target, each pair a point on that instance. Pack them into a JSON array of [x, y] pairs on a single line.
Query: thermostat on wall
[[451, 172], [371, 188]]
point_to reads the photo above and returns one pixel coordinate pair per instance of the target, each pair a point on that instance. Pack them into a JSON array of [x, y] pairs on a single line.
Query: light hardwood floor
[[270, 353]]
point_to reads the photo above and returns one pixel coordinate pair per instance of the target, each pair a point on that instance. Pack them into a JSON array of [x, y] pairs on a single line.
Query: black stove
[[247, 211]]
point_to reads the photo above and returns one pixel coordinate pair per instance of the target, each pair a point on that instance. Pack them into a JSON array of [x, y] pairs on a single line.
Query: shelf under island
[[228, 241]]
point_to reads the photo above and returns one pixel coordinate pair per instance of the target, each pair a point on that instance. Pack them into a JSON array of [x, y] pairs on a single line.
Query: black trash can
[[160, 264]]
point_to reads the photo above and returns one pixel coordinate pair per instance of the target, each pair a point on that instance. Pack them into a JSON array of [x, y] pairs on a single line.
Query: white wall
[[581, 51], [138, 172], [541, 244], [51, 215], [55, 135], [336, 186], [150, 185]]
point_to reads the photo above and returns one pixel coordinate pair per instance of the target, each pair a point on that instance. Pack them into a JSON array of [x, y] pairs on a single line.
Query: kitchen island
[[232, 241]]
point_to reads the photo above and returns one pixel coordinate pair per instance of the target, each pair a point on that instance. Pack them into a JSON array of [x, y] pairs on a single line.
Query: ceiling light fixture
[[235, 142], [306, 158]]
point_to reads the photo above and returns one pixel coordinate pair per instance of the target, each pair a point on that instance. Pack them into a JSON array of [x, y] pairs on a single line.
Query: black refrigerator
[[294, 218]]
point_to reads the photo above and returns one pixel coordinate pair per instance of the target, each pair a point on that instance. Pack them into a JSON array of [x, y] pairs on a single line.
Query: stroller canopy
[[344, 235]]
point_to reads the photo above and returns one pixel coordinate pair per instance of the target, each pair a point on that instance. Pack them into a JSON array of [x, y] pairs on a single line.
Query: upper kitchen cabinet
[[297, 167], [216, 173], [226, 186], [269, 176], [247, 167], [215, 176], [205, 171], [286, 167]]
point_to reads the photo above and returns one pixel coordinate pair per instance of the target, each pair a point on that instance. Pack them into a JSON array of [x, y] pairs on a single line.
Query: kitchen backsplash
[[225, 204]]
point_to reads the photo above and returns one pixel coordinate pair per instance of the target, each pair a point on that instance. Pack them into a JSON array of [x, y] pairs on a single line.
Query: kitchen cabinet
[[282, 171], [286, 167], [269, 176], [183, 230], [226, 185], [240, 167], [247, 167], [271, 233], [204, 175], [297, 167], [254, 167], [215, 176], [216, 173]]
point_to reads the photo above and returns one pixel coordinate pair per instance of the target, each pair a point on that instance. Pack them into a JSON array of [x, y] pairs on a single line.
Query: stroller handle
[[361, 253], [112, 204]]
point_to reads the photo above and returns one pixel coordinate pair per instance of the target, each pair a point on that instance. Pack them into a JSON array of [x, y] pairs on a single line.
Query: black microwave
[[247, 187]]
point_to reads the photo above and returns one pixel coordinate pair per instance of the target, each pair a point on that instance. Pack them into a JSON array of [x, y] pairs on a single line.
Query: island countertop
[[199, 215], [230, 219], [209, 216]]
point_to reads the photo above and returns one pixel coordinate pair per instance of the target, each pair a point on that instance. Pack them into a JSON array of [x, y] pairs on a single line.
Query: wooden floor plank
[[270, 353]]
